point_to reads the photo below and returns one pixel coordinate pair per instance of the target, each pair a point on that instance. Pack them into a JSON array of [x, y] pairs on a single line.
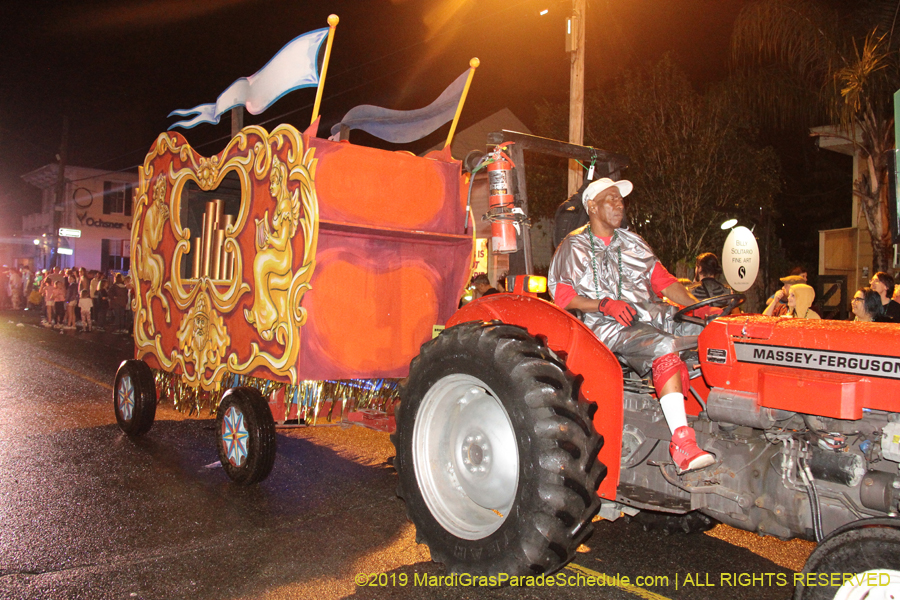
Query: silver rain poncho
[[623, 272]]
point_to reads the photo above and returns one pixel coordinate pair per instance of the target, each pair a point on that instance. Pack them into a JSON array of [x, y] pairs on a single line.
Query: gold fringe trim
[[309, 395]]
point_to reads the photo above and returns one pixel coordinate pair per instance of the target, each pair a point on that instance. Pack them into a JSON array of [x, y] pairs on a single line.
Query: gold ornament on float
[[202, 340], [216, 317]]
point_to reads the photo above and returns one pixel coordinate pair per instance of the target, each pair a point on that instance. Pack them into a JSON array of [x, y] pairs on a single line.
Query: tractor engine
[[780, 471]]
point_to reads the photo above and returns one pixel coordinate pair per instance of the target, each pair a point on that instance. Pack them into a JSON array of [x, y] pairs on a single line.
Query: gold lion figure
[[151, 264], [272, 265]]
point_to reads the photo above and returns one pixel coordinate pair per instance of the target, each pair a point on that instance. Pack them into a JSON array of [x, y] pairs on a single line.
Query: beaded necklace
[[594, 265]]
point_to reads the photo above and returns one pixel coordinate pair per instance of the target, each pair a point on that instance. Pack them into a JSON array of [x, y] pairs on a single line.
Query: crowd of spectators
[[70, 299]]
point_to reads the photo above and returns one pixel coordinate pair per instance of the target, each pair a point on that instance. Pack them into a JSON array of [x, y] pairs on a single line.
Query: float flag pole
[[332, 23], [462, 100]]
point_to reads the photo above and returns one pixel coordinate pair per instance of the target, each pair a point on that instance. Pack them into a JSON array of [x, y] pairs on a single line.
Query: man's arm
[[583, 304], [620, 310], [678, 294]]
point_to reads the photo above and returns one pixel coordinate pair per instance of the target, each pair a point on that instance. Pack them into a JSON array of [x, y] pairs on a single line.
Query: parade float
[[288, 272]]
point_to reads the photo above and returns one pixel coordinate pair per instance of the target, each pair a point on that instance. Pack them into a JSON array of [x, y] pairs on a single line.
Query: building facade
[[94, 216]]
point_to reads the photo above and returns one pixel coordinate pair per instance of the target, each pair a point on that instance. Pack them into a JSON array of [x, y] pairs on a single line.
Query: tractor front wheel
[[497, 459]]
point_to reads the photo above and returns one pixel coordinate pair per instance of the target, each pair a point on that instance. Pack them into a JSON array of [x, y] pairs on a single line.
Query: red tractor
[[517, 426]]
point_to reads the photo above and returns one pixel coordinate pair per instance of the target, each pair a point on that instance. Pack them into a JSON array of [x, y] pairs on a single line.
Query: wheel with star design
[[245, 434], [134, 397]]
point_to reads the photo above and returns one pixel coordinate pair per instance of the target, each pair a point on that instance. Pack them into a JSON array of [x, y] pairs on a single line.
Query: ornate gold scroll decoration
[[255, 155], [148, 265], [277, 289]]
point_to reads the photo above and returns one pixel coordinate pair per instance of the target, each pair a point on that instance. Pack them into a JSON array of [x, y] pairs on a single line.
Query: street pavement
[[86, 512]]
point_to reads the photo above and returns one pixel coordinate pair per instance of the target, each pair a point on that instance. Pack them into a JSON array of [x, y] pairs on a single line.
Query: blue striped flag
[[293, 67], [404, 126]]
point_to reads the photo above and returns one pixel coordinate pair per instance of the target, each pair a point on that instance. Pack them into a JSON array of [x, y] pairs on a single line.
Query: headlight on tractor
[[526, 284]]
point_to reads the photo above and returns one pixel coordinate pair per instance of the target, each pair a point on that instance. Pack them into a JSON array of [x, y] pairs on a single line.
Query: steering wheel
[[734, 300]]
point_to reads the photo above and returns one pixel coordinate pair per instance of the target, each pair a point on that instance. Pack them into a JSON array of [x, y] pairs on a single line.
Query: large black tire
[[134, 397], [867, 547], [496, 457], [245, 435]]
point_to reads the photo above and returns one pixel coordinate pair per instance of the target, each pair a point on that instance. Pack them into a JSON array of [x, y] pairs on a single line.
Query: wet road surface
[[86, 512]]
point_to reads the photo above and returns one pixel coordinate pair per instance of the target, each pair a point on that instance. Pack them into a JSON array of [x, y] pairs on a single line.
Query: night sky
[[117, 68]]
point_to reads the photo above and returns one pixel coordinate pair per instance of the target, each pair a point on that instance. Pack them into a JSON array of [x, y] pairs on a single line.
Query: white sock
[[673, 409]]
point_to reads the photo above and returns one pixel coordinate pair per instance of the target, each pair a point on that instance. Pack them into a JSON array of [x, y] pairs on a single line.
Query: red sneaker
[[688, 456]]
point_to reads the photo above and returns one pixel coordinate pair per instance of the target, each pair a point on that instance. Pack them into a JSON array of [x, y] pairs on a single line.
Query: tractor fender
[[586, 358]]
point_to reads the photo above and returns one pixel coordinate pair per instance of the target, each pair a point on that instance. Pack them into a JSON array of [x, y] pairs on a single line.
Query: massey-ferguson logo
[[850, 363]]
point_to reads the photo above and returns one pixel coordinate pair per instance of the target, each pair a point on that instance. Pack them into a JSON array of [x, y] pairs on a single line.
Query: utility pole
[[575, 47], [59, 205]]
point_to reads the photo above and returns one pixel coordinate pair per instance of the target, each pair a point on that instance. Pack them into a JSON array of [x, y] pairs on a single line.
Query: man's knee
[[667, 366]]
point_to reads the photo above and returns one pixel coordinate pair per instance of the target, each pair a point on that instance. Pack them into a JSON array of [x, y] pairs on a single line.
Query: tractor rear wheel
[[497, 459], [866, 554]]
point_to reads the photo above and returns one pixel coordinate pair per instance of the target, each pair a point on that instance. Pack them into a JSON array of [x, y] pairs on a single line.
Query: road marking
[[632, 589], [77, 374]]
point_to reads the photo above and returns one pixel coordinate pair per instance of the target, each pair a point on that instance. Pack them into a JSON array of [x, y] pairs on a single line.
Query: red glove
[[620, 310], [706, 311]]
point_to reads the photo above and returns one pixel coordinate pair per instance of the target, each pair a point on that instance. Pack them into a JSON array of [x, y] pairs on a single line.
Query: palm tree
[[805, 63]]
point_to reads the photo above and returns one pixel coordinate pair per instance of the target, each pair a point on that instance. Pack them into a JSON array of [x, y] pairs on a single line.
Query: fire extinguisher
[[500, 203]]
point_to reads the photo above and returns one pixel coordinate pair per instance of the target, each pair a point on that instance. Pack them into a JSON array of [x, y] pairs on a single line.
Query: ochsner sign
[[740, 259]]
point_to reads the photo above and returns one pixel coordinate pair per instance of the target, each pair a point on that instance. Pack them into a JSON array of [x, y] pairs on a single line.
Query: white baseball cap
[[598, 186]]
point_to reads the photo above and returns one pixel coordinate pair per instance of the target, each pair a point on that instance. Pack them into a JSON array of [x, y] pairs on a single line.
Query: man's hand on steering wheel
[[733, 301]]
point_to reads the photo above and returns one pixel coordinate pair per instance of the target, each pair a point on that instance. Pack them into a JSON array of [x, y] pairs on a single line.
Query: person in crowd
[[59, 302], [34, 300], [15, 288], [612, 275], [55, 275], [102, 304], [883, 284], [705, 283], [129, 316], [777, 306], [86, 304], [866, 305], [118, 302], [4, 288], [483, 286], [501, 282], [799, 272], [800, 300], [47, 289], [71, 302], [95, 286], [27, 280]]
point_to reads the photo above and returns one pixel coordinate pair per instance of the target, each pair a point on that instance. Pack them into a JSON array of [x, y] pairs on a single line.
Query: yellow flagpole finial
[[462, 100], [332, 23]]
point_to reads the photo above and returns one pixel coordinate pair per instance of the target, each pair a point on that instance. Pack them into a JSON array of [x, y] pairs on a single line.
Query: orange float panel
[[287, 258]]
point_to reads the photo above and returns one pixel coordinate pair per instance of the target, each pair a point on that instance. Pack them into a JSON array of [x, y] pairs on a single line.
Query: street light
[[729, 224]]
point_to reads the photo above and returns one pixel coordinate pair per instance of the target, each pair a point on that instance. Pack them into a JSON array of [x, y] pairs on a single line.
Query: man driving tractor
[[612, 275]]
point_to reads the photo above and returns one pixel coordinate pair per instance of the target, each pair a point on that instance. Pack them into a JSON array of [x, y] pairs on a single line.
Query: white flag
[[294, 67]]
